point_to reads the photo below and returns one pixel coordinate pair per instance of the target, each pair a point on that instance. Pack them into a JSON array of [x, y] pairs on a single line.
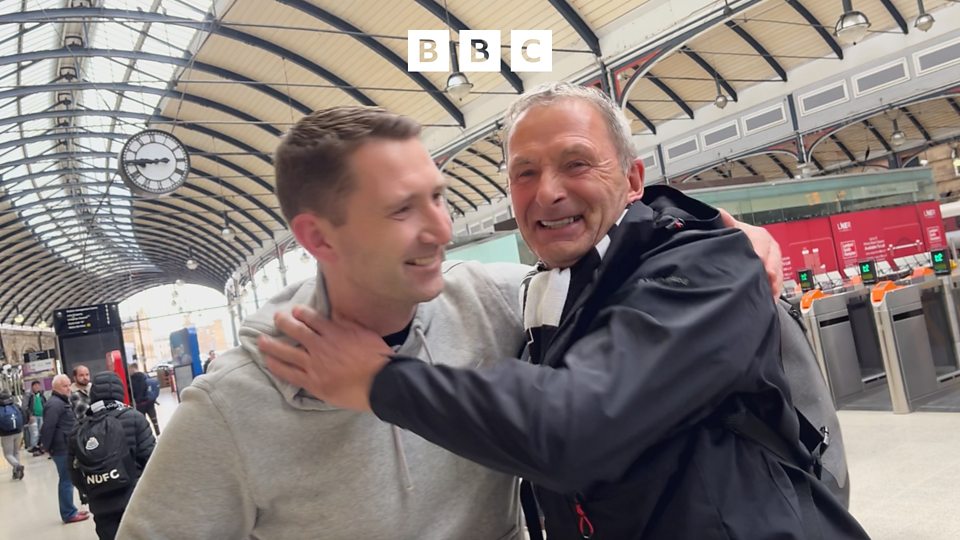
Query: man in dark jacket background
[[142, 398], [106, 398], [58, 422], [661, 335]]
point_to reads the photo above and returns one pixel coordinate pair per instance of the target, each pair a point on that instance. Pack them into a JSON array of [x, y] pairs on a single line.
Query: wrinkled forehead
[[546, 122]]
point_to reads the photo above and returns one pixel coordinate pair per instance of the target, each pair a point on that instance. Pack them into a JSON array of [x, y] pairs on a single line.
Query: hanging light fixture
[[304, 256], [502, 167], [924, 20], [18, 318], [458, 85], [265, 279], [191, 262], [178, 283], [721, 100], [42, 325], [955, 155], [853, 25], [227, 231], [898, 137]]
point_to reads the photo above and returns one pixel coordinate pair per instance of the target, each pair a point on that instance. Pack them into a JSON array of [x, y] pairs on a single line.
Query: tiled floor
[[905, 470]]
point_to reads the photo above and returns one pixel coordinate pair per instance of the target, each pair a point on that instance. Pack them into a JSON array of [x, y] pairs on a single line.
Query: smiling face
[[391, 245], [566, 182]]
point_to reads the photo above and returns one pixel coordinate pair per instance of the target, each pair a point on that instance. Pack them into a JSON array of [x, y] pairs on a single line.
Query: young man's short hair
[[311, 162]]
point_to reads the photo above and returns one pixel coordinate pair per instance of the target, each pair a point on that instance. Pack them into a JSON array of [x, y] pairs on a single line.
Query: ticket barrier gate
[[842, 329], [919, 337]]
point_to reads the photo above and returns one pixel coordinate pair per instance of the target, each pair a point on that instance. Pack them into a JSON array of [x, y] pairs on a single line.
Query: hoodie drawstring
[[397, 434], [402, 456], [423, 339]]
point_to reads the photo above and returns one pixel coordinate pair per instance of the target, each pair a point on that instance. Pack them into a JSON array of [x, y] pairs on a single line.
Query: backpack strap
[[531, 510]]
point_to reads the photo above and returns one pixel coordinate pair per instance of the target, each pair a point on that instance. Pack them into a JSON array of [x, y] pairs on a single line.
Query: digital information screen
[[85, 319], [868, 272], [805, 279], [941, 262]]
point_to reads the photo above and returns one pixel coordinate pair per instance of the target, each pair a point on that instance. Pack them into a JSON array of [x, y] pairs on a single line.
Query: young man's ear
[[635, 179], [313, 233]]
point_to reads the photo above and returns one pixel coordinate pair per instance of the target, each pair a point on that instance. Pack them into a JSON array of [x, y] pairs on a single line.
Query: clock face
[[154, 162]]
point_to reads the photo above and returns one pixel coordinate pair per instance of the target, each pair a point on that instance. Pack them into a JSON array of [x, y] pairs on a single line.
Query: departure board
[[941, 262], [805, 279], [868, 272], [84, 319]]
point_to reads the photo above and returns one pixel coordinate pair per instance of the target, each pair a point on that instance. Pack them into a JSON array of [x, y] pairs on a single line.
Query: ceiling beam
[[916, 123], [646, 121], [577, 23], [819, 28], [670, 93], [711, 71], [873, 130], [382, 51], [752, 41], [445, 16], [896, 15]]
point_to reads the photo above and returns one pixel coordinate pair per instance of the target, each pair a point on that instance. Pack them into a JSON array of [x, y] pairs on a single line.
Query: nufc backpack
[[103, 461], [11, 419]]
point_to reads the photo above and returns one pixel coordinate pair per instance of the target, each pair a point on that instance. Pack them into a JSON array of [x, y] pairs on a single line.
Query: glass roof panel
[[77, 185]]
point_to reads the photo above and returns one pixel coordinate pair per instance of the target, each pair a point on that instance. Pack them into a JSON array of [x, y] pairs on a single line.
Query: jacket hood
[[106, 386], [312, 292], [665, 200]]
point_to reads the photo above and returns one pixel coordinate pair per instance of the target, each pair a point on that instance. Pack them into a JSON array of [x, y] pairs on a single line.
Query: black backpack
[[103, 460]]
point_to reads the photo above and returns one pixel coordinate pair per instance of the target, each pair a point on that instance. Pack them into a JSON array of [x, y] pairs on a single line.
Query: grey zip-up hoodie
[[248, 456]]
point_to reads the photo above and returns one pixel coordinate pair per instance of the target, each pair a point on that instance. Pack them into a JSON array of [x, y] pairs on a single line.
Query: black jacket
[[58, 422], [106, 388], [626, 434]]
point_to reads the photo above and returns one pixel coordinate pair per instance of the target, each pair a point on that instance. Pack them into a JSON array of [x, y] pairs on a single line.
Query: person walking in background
[[33, 403], [58, 422], [11, 430], [112, 446], [211, 356], [80, 391], [145, 393]]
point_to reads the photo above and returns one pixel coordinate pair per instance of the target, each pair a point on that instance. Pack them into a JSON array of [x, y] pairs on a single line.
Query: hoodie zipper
[[583, 523]]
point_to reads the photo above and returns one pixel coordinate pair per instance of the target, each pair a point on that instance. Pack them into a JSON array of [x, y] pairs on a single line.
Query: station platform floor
[[904, 472]]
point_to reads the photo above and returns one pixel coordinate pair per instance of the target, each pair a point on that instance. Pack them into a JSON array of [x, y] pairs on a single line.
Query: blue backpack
[[153, 389], [11, 419]]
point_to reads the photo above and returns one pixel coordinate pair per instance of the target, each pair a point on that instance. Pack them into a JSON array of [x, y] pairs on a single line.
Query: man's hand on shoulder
[[766, 247], [336, 360]]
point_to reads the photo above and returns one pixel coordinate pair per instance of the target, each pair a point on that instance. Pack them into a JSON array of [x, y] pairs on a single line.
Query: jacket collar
[[649, 222]]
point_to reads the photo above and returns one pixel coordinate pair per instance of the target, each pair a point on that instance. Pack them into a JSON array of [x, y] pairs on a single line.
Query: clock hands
[[142, 162]]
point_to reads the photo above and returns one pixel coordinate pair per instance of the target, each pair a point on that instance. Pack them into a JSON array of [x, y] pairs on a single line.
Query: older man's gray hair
[[547, 93]]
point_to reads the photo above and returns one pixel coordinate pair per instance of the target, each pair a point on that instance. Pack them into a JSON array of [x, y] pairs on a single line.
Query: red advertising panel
[[932, 225], [805, 244], [881, 234]]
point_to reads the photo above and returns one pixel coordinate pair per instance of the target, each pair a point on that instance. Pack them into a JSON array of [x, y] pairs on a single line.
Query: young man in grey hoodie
[[249, 456]]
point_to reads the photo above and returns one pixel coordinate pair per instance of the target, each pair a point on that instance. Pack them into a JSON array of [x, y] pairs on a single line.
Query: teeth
[[423, 261], [558, 223]]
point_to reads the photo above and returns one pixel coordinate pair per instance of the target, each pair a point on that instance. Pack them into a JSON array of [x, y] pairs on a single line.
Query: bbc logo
[[479, 50]]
